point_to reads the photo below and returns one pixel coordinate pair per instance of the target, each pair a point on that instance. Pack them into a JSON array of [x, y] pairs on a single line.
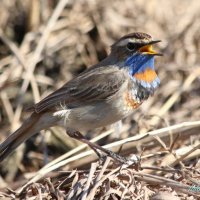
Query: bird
[[103, 94]]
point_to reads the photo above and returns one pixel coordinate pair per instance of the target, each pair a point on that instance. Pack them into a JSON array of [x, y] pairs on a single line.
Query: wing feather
[[91, 86]]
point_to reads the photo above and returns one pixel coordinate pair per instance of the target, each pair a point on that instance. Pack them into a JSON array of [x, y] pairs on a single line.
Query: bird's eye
[[132, 46]]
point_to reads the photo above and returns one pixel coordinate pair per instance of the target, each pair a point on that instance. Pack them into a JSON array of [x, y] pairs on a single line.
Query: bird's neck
[[144, 79]]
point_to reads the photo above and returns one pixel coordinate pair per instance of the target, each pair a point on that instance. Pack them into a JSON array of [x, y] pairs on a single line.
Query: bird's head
[[135, 53], [134, 45]]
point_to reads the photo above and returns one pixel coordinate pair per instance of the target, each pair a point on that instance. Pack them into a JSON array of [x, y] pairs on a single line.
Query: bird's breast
[[130, 100]]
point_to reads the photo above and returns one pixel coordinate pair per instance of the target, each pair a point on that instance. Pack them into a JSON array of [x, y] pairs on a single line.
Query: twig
[[41, 44], [159, 132], [90, 177]]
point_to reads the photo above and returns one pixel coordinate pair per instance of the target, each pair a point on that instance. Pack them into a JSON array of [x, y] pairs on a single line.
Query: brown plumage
[[95, 98]]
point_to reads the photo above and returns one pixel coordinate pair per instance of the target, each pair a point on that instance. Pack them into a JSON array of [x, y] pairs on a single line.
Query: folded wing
[[96, 84]]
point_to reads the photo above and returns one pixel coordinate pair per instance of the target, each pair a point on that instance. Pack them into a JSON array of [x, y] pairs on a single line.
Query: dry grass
[[45, 43]]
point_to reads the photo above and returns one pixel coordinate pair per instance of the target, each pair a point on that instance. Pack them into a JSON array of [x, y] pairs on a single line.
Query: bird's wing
[[91, 86]]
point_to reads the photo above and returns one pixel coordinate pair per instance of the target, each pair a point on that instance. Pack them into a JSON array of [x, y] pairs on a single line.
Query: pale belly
[[94, 116]]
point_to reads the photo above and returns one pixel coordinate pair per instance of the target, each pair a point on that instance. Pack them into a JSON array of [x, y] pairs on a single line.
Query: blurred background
[[81, 37]]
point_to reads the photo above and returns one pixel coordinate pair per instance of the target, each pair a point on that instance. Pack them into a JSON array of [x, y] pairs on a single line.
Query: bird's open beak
[[148, 48]]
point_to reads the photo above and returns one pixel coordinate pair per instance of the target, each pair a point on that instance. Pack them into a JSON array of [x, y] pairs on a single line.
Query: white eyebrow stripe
[[124, 42]]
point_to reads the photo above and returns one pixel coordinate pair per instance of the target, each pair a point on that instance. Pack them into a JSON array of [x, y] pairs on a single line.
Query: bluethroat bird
[[103, 94]]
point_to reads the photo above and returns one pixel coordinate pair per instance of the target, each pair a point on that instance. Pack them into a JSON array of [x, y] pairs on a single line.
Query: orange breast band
[[148, 75]]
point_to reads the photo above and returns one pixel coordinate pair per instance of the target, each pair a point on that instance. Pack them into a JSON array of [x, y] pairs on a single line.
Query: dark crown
[[137, 35]]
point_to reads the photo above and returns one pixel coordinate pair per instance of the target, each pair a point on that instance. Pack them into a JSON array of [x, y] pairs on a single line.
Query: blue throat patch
[[138, 63]]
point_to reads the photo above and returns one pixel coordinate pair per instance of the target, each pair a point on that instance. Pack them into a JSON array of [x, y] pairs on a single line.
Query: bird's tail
[[31, 126]]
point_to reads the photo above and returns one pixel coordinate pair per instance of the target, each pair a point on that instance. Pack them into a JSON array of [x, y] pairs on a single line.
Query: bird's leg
[[78, 136], [95, 147]]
